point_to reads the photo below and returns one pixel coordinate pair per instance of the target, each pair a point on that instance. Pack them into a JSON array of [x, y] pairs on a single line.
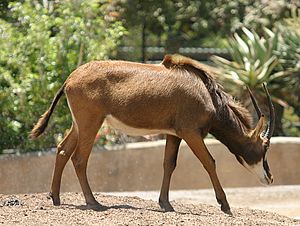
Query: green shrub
[[38, 50]]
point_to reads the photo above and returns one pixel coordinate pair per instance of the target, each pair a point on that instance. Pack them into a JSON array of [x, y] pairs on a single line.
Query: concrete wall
[[139, 167]]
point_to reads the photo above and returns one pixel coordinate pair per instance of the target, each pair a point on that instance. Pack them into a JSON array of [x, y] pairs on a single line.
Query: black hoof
[[55, 200], [225, 206], [226, 209], [166, 206]]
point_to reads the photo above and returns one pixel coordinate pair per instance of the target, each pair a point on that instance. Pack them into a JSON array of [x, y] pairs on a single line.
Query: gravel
[[36, 209]]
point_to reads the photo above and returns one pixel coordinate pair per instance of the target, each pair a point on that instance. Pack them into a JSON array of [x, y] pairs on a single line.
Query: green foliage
[[289, 57], [269, 58], [290, 44], [291, 122], [42, 42], [3, 9], [173, 24], [231, 16], [37, 53], [253, 58]]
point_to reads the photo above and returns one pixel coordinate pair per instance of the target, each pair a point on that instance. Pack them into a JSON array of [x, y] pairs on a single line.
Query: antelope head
[[255, 157]]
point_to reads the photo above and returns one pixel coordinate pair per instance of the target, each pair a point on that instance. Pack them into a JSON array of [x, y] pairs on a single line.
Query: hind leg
[[64, 151], [88, 122]]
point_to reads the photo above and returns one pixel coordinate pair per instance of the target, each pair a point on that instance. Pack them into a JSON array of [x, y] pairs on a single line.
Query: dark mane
[[215, 89]]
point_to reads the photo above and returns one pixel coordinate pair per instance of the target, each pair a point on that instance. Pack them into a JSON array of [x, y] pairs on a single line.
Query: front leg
[[196, 143], [170, 158]]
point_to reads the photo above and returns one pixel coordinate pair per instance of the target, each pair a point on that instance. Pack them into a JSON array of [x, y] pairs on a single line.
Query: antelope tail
[[41, 125]]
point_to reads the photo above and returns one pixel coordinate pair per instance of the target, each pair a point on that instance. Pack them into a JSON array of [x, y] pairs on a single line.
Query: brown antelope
[[178, 97]]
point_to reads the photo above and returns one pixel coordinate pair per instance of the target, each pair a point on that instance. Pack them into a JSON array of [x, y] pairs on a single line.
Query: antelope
[[178, 97]]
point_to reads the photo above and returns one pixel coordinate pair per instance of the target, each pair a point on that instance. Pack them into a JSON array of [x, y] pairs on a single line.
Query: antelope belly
[[119, 125]]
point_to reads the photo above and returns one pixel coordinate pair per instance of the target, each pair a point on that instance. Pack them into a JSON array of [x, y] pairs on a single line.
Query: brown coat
[[178, 97]]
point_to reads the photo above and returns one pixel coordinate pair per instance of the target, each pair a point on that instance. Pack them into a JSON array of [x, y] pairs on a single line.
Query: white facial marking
[[119, 125], [259, 171]]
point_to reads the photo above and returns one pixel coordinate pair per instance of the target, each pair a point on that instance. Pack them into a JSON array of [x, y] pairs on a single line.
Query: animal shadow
[[101, 208]]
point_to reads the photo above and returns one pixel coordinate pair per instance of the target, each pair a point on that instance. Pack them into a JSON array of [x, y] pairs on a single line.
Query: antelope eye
[[240, 160]]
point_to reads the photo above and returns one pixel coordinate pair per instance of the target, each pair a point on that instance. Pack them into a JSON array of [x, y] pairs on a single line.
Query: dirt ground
[[283, 200], [36, 209]]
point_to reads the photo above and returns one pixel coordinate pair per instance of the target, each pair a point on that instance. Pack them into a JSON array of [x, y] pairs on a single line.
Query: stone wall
[[139, 167]]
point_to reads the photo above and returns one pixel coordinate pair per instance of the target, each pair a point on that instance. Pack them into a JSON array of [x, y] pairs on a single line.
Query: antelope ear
[[259, 127]]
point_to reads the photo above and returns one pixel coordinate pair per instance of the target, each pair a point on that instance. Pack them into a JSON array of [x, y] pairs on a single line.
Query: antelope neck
[[229, 129]]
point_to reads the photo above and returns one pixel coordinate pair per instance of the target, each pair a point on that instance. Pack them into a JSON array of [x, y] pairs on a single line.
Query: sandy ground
[[284, 200], [192, 208]]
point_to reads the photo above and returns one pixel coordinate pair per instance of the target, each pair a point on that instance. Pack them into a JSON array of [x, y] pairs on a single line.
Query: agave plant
[[253, 63], [253, 58], [290, 62], [289, 57]]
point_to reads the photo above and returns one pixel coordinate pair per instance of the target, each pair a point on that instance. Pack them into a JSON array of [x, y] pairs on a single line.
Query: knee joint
[[210, 165], [77, 162], [213, 162], [169, 164]]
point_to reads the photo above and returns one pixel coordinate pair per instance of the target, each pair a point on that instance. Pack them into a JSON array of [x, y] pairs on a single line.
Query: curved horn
[[258, 111], [271, 123]]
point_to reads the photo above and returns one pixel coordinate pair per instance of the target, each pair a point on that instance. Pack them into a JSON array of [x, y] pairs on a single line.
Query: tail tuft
[[41, 125]]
